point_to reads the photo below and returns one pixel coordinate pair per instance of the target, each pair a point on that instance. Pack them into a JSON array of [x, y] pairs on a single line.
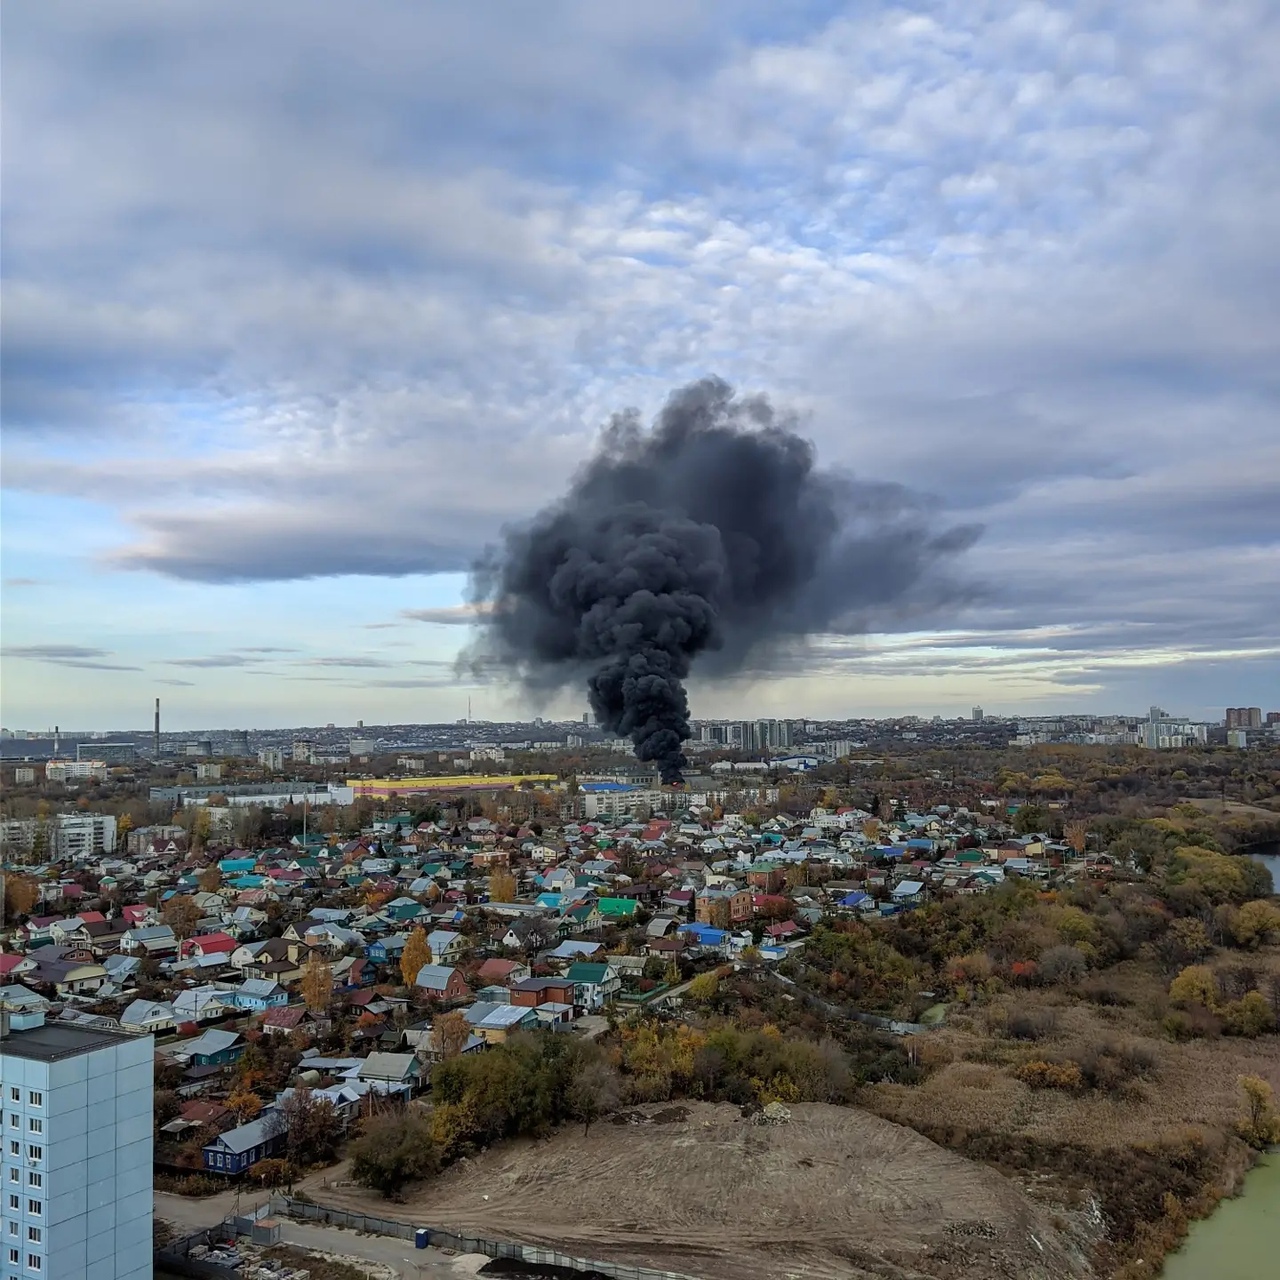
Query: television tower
[[156, 739]]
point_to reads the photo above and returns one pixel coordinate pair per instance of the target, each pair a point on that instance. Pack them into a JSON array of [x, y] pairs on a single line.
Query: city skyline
[[282, 355]]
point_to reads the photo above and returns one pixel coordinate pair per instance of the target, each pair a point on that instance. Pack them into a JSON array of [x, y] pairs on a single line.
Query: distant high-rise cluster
[[976, 715], [1245, 718]]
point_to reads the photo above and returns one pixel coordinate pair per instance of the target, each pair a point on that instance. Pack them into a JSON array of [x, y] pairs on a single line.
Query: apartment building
[[75, 1167]]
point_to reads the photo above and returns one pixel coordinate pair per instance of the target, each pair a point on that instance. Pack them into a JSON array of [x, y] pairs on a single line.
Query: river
[[1240, 1240], [1272, 863]]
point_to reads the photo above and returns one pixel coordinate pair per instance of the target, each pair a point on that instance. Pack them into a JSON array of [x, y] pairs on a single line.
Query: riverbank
[[1240, 1240]]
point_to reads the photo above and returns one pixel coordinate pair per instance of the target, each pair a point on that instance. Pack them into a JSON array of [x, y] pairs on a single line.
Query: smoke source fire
[[712, 533]]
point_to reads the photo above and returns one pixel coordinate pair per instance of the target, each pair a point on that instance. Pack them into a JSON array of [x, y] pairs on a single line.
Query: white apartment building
[[75, 1167], [66, 835]]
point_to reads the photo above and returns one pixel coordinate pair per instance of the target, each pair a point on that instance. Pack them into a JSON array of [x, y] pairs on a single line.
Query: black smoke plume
[[712, 533]]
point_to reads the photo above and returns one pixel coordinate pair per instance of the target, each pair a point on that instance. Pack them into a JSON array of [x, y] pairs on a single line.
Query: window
[[33, 1235], [34, 1152], [13, 1256], [35, 1124], [33, 1262], [13, 1228], [35, 1207], [14, 1175], [34, 1098], [33, 1179]]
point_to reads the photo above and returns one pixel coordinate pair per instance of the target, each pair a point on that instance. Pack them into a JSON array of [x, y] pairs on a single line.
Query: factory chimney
[[156, 742]]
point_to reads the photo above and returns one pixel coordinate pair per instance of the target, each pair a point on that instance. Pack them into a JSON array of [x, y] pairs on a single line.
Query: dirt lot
[[834, 1193]]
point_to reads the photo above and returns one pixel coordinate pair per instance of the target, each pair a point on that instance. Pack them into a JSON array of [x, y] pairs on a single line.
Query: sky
[[304, 302]]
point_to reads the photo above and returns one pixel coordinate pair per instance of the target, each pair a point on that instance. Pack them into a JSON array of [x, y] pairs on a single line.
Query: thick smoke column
[[713, 533]]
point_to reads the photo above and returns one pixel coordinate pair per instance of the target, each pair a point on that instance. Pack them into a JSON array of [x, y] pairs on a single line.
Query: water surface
[[1240, 1240]]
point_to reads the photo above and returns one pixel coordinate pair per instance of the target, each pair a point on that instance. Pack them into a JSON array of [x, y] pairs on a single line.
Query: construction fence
[[440, 1239], [174, 1256]]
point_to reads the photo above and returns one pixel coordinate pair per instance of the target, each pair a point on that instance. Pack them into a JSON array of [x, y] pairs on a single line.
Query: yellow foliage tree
[[1260, 1125], [317, 983], [1195, 985], [704, 987], [450, 1033], [416, 953], [244, 1105], [1254, 921], [502, 887]]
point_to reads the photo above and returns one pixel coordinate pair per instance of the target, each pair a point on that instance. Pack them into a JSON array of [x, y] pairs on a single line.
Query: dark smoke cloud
[[711, 534]]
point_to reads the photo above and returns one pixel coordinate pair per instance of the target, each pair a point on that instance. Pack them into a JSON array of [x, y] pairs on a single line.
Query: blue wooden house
[[241, 1148]]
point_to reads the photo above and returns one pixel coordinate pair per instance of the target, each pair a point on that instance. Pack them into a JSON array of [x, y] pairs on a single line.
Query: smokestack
[[57, 742], [712, 536], [156, 741]]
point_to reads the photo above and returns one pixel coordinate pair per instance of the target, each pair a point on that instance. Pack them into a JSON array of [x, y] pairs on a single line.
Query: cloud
[[214, 660], [448, 615], [185, 684], [24, 582], [66, 655], [1021, 256]]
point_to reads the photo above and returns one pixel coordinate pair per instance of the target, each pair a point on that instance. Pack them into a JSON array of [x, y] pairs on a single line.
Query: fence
[[439, 1239]]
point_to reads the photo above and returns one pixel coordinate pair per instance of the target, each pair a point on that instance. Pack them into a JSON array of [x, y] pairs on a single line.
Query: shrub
[[1196, 1022], [1111, 1064], [1063, 964], [1039, 1074], [1032, 1024], [272, 1173], [1102, 993], [1249, 1016]]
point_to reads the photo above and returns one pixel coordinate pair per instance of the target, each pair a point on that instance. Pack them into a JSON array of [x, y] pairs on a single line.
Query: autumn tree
[[21, 894], [1076, 835], [317, 983], [416, 953], [1260, 1125], [309, 1126], [181, 914], [1195, 985], [449, 1034], [244, 1105], [704, 987], [502, 887], [210, 880]]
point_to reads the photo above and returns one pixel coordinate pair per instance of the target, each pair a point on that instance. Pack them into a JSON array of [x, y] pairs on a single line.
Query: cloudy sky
[[303, 301]]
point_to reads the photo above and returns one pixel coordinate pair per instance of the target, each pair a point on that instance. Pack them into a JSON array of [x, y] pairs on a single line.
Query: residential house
[[594, 985], [393, 1072], [241, 1148], [147, 1015], [203, 945], [442, 982], [495, 1022], [533, 992], [501, 972], [258, 995], [154, 940], [214, 1048], [446, 946], [200, 1004]]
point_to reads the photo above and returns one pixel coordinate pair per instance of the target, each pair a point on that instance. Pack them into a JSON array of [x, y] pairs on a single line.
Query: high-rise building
[[75, 1168], [1244, 717]]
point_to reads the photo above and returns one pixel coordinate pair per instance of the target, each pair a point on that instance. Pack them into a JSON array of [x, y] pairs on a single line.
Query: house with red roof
[[207, 944]]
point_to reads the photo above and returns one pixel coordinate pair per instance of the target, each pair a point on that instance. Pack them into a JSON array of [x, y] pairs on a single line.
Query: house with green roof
[[616, 908], [594, 985]]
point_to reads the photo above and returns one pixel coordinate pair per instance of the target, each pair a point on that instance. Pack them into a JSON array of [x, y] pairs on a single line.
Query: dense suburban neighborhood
[[373, 956]]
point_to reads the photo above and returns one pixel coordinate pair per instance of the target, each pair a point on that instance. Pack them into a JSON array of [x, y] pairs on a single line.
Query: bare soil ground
[[702, 1191]]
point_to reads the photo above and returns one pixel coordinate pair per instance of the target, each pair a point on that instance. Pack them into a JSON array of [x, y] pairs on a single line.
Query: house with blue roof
[[257, 995]]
